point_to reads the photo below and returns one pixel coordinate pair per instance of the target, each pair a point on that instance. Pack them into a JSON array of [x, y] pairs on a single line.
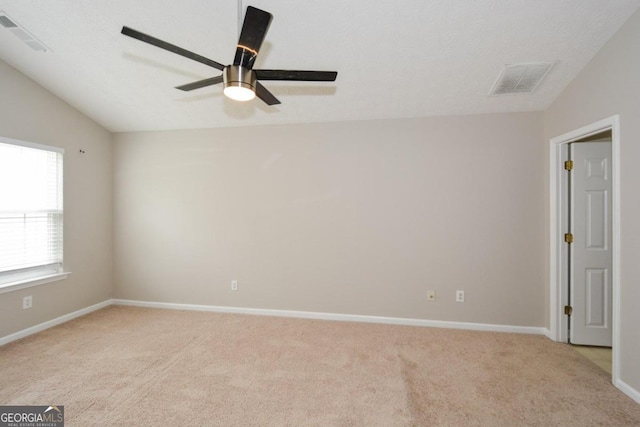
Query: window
[[31, 215]]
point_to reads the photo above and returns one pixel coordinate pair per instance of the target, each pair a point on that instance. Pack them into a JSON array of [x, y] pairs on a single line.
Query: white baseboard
[[338, 317], [547, 333], [284, 313], [54, 322], [628, 390]]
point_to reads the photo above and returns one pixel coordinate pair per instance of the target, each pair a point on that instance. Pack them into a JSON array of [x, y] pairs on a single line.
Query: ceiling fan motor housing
[[238, 76]]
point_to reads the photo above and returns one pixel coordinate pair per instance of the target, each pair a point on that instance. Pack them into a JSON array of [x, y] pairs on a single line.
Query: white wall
[[608, 86], [357, 217], [30, 113]]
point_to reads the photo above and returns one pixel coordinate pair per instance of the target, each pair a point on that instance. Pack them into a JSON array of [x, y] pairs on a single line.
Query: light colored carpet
[[136, 366]]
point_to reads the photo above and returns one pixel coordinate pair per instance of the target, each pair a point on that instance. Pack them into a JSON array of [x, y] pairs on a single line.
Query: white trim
[[33, 281], [555, 191], [557, 324], [28, 144], [54, 322], [628, 390], [337, 317]]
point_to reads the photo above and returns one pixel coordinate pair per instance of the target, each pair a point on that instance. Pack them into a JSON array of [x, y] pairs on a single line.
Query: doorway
[[559, 249]]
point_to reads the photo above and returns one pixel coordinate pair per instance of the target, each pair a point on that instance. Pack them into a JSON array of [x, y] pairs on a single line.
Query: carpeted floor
[[136, 366]]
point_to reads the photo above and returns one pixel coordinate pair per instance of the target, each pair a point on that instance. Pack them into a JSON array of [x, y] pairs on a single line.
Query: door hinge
[[568, 310], [568, 165], [568, 237]]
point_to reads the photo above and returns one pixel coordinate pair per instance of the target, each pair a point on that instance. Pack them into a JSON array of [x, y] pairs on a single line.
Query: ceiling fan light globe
[[239, 83], [239, 93]]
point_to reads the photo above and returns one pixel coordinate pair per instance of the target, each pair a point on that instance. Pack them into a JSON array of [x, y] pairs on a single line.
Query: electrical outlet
[[234, 285], [459, 296], [27, 302], [431, 295]]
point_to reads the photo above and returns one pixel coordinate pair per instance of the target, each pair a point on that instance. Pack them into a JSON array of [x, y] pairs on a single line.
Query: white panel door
[[590, 252]]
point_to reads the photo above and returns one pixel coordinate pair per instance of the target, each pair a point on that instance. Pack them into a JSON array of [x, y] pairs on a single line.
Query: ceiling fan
[[240, 79]]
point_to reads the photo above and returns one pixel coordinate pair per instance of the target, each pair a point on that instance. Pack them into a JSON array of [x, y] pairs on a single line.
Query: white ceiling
[[394, 58]]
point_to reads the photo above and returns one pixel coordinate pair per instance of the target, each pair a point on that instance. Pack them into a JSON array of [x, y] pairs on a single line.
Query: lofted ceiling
[[395, 59]]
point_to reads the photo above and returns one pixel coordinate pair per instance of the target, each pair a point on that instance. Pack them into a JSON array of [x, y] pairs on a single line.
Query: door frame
[[558, 291]]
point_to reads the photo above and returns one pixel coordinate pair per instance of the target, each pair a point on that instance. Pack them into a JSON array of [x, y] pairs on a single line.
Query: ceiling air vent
[[20, 32], [520, 78]]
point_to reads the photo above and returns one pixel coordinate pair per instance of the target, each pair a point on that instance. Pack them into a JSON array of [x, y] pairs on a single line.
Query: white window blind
[[31, 214]]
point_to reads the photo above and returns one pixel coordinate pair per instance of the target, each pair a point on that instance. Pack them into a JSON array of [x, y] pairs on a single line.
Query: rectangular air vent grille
[[521, 78], [21, 33]]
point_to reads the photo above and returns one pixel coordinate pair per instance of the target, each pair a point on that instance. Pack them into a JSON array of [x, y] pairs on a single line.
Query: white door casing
[[558, 285], [591, 250]]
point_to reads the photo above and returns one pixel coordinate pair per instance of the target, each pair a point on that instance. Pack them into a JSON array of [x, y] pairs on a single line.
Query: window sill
[[34, 281]]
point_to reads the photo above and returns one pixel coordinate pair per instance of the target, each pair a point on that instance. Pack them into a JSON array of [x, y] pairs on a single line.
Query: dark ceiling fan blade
[[171, 48], [264, 94], [201, 83], [309, 76], [254, 29]]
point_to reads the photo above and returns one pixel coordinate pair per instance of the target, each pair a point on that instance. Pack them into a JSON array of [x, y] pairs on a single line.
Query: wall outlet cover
[[27, 302]]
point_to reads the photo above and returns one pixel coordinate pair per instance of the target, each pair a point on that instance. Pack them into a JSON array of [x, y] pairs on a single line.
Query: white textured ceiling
[[394, 58]]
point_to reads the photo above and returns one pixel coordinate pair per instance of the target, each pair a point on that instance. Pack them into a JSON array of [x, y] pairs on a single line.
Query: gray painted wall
[[608, 86], [29, 112], [357, 217]]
